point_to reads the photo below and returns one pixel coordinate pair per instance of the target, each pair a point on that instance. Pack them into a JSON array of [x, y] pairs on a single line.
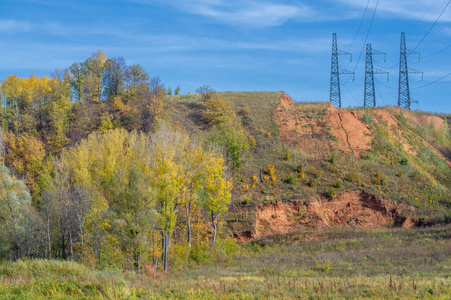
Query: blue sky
[[250, 45]]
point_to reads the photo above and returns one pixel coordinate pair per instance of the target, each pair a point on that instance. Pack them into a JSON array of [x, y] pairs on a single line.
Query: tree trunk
[[165, 251], [215, 229], [136, 260], [188, 222], [48, 237]]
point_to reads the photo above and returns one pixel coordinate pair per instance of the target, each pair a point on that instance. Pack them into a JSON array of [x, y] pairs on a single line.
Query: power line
[[360, 25], [344, 15], [430, 29], [420, 87], [435, 53], [422, 17], [367, 34]]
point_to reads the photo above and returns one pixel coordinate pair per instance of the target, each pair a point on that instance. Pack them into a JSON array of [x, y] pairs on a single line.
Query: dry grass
[[316, 264]]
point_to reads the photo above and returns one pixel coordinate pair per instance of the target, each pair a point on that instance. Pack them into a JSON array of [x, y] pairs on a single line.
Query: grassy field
[[334, 263]]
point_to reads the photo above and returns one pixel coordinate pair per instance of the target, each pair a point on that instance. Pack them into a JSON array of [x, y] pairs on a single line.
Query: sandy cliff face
[[347, 209]]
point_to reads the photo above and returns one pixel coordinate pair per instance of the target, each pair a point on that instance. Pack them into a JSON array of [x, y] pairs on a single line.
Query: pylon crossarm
[[408, 52], [377, 52], [379, 71], [413, 71], [341, 52], [345, 72]]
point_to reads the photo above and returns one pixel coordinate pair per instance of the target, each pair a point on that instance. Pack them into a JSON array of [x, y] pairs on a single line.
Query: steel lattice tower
[[370, 94], [404, 100], [403, 87], [335, 94]]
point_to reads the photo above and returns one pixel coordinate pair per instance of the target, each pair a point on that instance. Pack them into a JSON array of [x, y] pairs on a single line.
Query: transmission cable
[[360, 25], [422, 17], [430, 29], [367, 34], [435, 53], [344, 15], [435, 81]]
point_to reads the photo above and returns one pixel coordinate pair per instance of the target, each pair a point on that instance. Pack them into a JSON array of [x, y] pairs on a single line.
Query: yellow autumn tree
[[215, 192]]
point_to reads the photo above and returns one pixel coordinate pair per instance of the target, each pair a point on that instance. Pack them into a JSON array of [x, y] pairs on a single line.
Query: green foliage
[[331, 192], [404, 162], [290, 179], [368, 118], [200, 253], [287, 155], [338, 183]]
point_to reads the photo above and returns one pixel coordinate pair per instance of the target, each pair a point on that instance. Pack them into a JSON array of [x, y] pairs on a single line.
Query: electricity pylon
[[335, 94], [369, 98], [404, 100]]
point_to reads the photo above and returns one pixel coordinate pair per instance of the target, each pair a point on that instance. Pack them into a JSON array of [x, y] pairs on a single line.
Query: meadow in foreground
[[333, 263]]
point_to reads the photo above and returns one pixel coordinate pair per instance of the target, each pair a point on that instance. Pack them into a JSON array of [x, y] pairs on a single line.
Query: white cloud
[[14, 26], [408, 9], [250, 13]]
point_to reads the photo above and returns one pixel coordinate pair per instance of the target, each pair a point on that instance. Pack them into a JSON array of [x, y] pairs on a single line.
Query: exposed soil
[[348, 209], [436, 122], [352, 132], [303, 126], [317, 128]]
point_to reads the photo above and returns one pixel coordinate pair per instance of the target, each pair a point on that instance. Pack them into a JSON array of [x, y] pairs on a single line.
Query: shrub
[[331, 192], [252, 141], [368, 118], [400, 174], [404, 162], [300, 168], [311, 182], [287, 155], [254, 179], [332, 158], [270, 170], [302, 175], [338, 184], [200, 253], [273, 178], [290, 179], [227, 246], [353, 177]]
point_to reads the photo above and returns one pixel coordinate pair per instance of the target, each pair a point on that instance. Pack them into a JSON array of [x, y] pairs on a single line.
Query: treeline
[[41, 116], [108, 181]]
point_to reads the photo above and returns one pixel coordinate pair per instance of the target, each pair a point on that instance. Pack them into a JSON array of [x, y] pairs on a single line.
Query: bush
[[368, 118], [300, 168], [227, 246], [290, 179], [252, 141], [331, 192], [287, 155], [200, 253], [404, 162], [353, 177], [270, 170], [338, 184], [311, 182]]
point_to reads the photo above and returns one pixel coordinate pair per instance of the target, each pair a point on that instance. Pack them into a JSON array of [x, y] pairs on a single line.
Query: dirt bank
[[348, 209]]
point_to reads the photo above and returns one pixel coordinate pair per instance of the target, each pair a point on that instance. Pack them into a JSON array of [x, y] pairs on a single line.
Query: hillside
[[387, 165]]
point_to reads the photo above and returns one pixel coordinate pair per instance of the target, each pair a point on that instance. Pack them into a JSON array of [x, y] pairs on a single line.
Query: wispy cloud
[[14, 26], [408, 9], [250, 13]]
